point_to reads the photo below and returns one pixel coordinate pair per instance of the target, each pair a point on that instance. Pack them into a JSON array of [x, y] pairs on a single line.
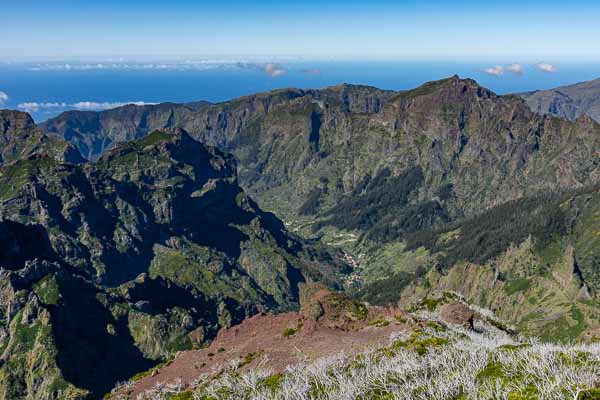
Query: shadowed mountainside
[[114, 265]]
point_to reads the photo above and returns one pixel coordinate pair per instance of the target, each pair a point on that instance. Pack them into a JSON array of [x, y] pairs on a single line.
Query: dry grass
[[449, 363]]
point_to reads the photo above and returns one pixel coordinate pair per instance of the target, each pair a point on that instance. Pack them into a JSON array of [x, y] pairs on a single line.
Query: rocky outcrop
[[457, 314], [115, 265], [20, 138]]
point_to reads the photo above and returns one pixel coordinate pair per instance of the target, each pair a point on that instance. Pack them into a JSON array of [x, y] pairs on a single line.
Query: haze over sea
[[47, 88]]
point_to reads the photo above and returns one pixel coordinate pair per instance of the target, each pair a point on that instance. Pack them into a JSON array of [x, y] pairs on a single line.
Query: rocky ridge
[[145, 252]]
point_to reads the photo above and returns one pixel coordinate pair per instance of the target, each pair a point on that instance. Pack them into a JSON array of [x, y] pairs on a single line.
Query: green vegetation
[[248, 358], [143, 374], [47, 290], [379, 323], [590, 394], [380, 207], [432, 303], [313, 202], [385, 291], [187, 395], [493, 370], [493, 231], [272, 382], [423, 90], [154, 138], [517, 285], [288, 332], [157, 247], [565, 329], [417, 342], [386, 260], [14, 176]]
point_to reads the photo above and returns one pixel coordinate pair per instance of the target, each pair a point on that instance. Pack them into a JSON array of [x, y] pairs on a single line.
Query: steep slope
[[453, 147], [533, 261], [143, 253], [20, 137], [368, 170], [567, 102]]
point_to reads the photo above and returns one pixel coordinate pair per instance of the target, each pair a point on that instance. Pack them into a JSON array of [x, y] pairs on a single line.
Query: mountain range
[[191, 217], [110, 266], [567, 101]]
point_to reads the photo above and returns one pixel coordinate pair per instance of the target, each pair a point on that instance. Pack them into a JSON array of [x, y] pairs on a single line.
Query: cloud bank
[[515, 68], [179, 66], [270, 67], [35, 107], [81, 105], [496, 70], [3, 98], [548, 68], [275, 70]]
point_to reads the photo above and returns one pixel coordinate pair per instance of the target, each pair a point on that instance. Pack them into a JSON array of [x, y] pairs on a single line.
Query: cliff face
[[463, 148], [20, 137], [114, 265], [567, 102]]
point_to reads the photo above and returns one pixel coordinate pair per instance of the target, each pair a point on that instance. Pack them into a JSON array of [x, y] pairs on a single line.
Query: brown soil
[[261, 342]]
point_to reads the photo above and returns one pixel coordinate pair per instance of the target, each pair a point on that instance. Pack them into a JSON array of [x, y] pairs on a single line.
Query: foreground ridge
[[428, 353]]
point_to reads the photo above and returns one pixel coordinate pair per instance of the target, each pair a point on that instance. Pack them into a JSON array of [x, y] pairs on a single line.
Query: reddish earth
[[261, 340]]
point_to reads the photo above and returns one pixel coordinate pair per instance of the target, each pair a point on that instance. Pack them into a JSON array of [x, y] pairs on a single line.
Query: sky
[[528, 31]]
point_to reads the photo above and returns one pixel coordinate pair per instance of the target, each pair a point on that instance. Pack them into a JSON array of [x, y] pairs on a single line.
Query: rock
[[457, 314], [21, 138]]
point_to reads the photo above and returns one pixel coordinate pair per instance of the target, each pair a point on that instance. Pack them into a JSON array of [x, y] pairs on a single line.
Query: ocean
[[47, 89]]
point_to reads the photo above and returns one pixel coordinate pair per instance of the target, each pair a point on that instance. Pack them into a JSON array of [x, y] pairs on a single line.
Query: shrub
[[287, 332]]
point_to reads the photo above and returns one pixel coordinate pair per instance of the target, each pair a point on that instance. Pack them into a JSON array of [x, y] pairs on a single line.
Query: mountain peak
[[20, 138], [156, 140], [454, 87], [14, 123]]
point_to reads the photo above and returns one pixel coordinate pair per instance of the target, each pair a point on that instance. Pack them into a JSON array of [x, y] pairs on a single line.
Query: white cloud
[[515, 68], [275, 70], [167, 65], [545, 67], [186, 66], [3, 98], [34, 106], [81, 105], [96, 106], [497, 70]]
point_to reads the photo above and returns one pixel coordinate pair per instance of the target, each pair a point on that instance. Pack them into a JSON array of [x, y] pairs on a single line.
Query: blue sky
[[433, 29]]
